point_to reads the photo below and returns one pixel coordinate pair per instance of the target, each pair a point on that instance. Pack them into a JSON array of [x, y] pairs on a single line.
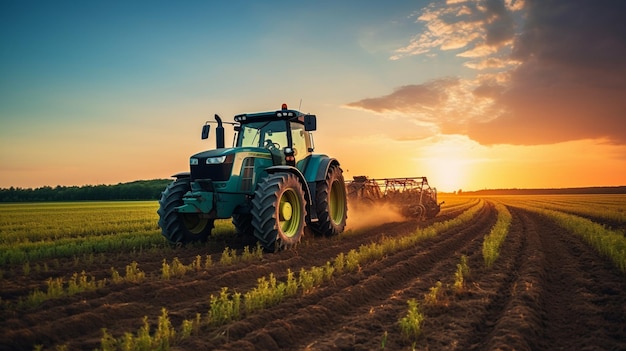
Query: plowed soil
[[547, 291]]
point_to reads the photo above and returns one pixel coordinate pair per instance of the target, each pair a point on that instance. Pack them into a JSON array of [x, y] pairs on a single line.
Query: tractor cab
[[284, 133]]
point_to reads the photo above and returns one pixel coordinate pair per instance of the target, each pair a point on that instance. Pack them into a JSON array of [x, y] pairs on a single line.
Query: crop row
[[55, 287], [58, 287], [42, 240], [609, 243], [602, 207], [493, 240], [231, 305]]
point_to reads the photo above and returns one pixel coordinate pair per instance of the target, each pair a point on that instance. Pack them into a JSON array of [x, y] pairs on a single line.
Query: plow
[[412, 195]]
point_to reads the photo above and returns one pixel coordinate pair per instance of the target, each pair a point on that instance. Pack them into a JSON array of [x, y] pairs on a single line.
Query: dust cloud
[[367, 215]]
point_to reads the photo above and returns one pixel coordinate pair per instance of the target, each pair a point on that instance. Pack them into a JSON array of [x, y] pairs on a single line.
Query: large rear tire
[[331, 204], [181, 228], [279, 211]]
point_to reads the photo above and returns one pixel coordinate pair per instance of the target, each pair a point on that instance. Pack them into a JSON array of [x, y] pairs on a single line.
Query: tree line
[[137, 190]]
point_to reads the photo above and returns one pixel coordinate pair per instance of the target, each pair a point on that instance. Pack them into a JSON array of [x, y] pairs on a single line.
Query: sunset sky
[[472, 94]]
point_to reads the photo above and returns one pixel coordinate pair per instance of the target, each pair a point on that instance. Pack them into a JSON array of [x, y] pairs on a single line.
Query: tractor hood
[[212, 164], [212, 153], [212, 156], [217, 164]]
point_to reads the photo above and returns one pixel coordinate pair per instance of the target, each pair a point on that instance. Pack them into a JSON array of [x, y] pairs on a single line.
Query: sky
[[474, 95]]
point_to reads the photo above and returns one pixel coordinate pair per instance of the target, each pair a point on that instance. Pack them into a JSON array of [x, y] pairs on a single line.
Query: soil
[[548, 290]]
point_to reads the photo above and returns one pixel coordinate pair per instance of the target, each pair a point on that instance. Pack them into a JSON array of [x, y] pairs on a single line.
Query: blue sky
[[104, 92]]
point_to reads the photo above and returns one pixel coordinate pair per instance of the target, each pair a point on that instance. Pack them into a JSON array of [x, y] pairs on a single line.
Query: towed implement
[[269, 182], [413, 195]]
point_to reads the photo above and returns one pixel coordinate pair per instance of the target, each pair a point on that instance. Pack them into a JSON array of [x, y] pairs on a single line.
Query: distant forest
[[151, 190], [137, 190]]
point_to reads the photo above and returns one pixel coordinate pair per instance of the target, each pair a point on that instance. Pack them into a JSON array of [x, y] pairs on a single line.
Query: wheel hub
[[286, 211]]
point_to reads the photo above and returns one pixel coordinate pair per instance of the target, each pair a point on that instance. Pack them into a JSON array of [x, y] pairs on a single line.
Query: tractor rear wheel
[[181, 228], [279, 211], [331, 203]]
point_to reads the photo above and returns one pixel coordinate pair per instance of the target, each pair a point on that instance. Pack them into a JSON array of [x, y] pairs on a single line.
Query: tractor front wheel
[[279, 211], [243, 224], [181, 228]]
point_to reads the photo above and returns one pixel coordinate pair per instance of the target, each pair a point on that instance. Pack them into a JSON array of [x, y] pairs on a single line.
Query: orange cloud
[[561, 79]]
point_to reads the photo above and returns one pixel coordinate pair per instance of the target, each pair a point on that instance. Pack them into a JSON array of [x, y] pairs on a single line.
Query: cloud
[[472, 25], [557, 76], [446, 105], [570, 84], [418, 98]]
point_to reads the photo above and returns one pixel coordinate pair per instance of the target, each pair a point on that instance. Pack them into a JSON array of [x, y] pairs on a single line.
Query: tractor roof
[[282, 114]]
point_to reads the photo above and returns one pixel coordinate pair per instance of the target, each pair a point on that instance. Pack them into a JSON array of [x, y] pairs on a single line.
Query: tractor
[[270, 183]]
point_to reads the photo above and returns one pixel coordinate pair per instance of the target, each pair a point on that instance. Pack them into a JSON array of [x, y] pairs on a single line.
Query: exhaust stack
[[219, 133]]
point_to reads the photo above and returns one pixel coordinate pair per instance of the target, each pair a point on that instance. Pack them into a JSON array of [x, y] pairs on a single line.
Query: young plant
[[228, 256], [462, 271], [435, 295], [134, 274], [178, 268], [223, 308], [411, 323], [166, 270]]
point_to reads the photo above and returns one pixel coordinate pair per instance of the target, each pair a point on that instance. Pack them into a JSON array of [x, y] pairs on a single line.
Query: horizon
[[485, 94], [442, 191]]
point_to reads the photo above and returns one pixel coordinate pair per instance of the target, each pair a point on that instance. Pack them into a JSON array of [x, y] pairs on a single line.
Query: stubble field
[[523, 273]]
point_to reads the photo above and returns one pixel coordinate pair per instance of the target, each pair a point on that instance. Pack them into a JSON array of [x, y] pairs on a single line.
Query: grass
[[39, 231]]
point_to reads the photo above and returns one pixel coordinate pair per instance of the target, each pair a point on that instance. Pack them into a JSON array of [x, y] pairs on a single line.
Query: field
[[515, 272]]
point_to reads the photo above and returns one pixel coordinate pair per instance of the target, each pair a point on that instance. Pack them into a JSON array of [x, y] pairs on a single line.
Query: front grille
[[216, 172], [247, 175]]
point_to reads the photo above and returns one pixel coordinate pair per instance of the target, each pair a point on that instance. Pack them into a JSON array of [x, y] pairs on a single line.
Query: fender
[[317, 168], [182, 175], [307, 192], [316, 171], [323, 167]]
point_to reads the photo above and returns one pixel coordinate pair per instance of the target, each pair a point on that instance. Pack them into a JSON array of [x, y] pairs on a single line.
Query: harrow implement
[[412, 195]]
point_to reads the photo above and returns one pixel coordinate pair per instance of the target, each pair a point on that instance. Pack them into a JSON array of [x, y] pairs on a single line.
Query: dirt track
[[547, 291]]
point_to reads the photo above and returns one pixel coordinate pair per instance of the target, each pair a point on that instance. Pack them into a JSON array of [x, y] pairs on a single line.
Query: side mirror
[[310, 122], [205, 131]]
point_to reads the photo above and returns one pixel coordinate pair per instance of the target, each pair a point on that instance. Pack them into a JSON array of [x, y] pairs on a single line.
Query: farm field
[[498, 272]]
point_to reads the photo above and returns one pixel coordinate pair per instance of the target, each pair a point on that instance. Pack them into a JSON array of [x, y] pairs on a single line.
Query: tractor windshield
[[263, 134]]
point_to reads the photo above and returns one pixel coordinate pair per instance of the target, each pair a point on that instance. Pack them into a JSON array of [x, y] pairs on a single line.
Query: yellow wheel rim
[[289, 211], [337, 203]]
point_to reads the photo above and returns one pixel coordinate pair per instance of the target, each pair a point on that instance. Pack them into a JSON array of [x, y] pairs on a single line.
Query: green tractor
[[270, 183]]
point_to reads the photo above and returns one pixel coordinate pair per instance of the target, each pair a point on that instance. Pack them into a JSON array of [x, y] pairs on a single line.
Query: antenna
[[299, 106]]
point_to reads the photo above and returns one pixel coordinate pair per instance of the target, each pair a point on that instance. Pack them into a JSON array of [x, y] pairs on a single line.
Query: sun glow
[[446, 174], [449, 162]]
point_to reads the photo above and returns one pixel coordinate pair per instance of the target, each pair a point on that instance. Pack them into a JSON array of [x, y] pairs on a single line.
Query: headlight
[[215, 160], [193, 161]]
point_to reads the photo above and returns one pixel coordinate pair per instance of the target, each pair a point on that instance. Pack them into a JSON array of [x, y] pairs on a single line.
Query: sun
[[446, 174], [447, 163]]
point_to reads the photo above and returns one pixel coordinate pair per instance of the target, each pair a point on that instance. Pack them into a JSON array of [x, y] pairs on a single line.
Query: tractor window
[[262, 134], [299, 139]]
